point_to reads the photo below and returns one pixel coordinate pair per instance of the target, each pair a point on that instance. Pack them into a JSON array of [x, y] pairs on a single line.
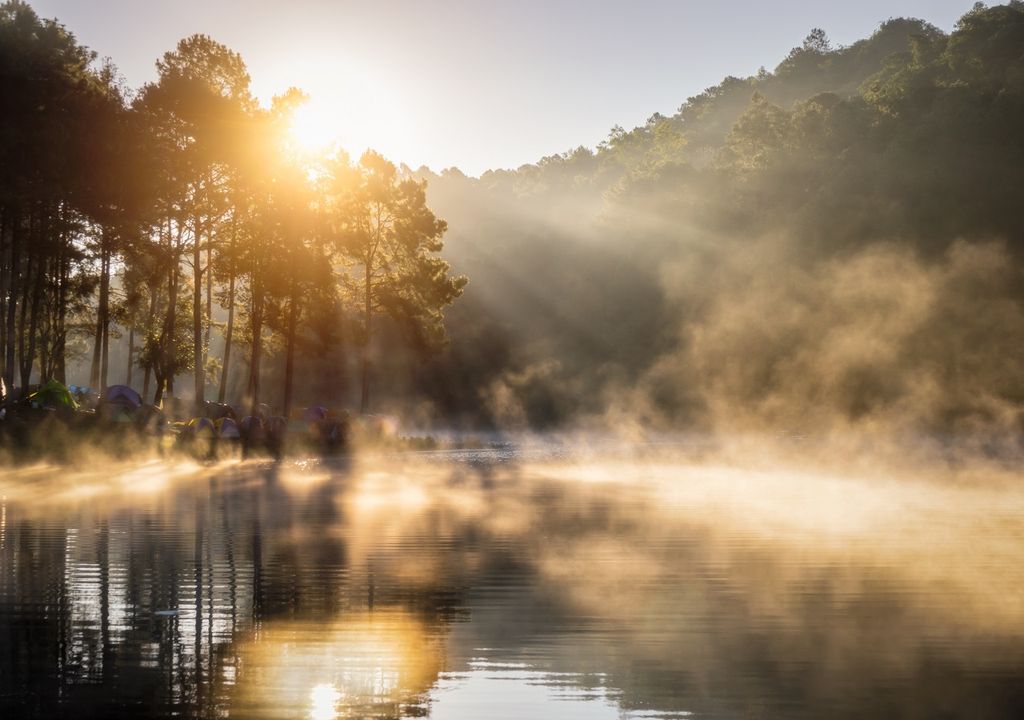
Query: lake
[[505, 583]]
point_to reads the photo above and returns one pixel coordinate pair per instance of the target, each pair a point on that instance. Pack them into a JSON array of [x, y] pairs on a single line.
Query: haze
[[481, 85], [713, 406]]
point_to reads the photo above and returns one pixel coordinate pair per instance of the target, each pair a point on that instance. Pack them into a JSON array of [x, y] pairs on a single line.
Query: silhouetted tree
[[384, 227], [197, 107]]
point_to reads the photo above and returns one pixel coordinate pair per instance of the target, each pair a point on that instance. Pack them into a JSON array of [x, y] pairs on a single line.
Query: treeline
[[834, 241], [183, 216]]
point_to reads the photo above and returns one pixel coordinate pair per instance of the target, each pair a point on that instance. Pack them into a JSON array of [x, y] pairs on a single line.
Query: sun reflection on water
[[363, 664], [324, 698]]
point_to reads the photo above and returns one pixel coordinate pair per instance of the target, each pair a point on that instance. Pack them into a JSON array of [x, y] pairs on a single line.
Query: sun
[[315, 127], [351, 111]]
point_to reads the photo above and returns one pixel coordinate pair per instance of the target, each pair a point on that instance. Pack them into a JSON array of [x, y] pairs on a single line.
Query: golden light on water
[[379, 552], [341, 668], [41, 489], [324, 698]]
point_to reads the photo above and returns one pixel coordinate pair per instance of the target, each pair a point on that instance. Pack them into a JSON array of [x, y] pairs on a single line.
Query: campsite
[[53, 422]]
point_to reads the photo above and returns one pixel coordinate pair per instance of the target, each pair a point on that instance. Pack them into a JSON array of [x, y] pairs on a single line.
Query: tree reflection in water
[[453, 588]]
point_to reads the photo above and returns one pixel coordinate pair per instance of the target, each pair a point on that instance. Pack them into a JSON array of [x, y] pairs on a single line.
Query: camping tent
[[115, 412], [251, 428], [216, 410], [314, 413], [122, 395], [202, 425], [228, 428], [53, 395]]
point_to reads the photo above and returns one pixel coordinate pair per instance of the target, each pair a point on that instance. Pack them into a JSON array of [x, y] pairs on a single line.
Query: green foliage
[[839, 235], [169, 354], [122, 211], [383, 226], [696, 263]]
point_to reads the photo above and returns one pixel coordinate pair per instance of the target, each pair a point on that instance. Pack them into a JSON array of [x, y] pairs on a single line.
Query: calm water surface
[[500, 585]]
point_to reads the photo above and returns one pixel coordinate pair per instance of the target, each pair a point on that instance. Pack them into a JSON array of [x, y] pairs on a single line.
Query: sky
[[480, 84]]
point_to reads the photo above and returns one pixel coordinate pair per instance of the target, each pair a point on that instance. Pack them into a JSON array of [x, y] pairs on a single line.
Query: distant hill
[[830, 241]]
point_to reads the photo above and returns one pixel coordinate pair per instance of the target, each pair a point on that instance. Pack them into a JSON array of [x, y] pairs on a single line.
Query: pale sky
[[481, 84]]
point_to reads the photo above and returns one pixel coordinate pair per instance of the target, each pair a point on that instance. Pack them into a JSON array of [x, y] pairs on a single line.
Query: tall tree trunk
[[27, 284], [289, 364], [46, 321], [33, 325], [199, 360], [148, 370], [257, 347], [131, 355], [158, 394], [364, 402], [209, 293], [96, 379], [97, 348], [167, 336], [12, 301], [222, 391], [60, 343], [5, 274], [105, 304]]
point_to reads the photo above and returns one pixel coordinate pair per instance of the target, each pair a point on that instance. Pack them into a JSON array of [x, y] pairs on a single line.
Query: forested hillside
[[835, 240]]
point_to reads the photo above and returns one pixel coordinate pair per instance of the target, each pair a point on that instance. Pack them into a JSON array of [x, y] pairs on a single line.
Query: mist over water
[[721, 418], [527, 581]]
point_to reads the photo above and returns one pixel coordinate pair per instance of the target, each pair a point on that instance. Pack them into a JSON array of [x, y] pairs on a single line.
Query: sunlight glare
[[314, 127], [368, 660], [325, 699], [350, 111]]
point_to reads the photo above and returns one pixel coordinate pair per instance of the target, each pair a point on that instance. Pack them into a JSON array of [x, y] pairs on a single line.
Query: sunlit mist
[[439, 584], [504, 361]]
